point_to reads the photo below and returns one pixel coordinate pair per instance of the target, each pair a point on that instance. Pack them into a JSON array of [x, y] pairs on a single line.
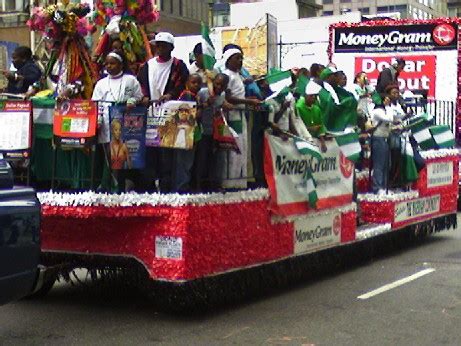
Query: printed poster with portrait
[[15, 129], [172, 125], [75, 122], [127, 137]]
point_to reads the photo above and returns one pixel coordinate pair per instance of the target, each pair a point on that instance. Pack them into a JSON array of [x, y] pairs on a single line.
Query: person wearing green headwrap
[[311, 114]]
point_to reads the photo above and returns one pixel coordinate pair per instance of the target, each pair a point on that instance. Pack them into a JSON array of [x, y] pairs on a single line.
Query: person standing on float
[[236, 172], [389, 76], [118, 87], [163, 78]]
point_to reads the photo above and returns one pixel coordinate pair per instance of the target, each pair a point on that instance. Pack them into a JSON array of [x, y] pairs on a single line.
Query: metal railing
[[444, 112]]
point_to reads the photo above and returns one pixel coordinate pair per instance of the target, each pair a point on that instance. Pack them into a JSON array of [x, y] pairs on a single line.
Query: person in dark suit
[[389, 76], [27, 72]]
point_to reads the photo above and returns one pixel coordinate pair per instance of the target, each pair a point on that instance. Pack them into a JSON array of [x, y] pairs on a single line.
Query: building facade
[[182, 17], [454, 8], [414, 9]]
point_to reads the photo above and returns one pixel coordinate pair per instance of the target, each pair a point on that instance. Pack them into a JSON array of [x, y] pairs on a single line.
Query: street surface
[[422, 308]]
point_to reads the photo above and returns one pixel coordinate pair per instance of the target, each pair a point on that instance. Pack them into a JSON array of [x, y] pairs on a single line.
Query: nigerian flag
[[278, 80], [208, 50], [311, 189], [349, 145], [409, 172], [338, 116], [42, 111], [419, 127], [301, 84], [307, 148], [443, 136]]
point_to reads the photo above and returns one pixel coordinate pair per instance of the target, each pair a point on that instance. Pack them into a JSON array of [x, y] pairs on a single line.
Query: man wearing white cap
[[236, 163], [163, 78], [311, 114]]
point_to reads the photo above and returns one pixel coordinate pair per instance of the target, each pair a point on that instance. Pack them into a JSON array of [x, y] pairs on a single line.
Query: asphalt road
[[326, 311]]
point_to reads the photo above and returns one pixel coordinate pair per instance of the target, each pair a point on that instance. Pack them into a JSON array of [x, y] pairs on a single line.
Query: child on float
[[236, 163], [184, 158], [206, 170], [118, 87]]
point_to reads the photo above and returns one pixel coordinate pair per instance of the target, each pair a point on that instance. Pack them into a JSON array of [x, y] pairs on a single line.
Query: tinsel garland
[[90, 198], [433, 154], [370, 231], [392, 197]]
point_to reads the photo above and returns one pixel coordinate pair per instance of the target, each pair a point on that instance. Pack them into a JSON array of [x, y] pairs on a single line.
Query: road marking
[[395, 284]]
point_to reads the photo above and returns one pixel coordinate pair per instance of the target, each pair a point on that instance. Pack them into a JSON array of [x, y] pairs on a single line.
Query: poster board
[[75, 123], [171, 125], [15, 129], [255, 45], [127, 137]]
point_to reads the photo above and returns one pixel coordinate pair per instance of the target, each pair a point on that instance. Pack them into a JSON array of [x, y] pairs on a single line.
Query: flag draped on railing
[[349, 145]]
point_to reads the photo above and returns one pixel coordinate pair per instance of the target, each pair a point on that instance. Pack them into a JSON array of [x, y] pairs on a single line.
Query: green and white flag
[[409, 171], [443, 136], [349, 145], [208, 50], [42, 112], [419, 127], [278, 80], [311, 189], [307, 148]]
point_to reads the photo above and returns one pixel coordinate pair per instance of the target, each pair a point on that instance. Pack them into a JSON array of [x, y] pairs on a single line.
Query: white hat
[[312, 88], [164, 37], [228, 53]]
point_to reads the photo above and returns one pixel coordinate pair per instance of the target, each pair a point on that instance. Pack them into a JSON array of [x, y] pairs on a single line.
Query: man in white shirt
[[163, 78]]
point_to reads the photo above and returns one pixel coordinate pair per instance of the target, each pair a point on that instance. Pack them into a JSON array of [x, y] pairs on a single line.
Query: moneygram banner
[[395, 39], [286, 173], [419, 73], [316, 233]]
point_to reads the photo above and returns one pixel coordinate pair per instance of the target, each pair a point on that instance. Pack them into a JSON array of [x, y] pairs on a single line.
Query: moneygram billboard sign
[[396, 39]]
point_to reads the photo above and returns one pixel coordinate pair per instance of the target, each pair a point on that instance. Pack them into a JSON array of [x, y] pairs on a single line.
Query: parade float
[[201, 249]]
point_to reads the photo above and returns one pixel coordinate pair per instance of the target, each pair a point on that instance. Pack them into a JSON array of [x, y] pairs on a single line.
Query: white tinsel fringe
[[155, 199], [433, 154], [393, 197], [276, 219], [370, 231]]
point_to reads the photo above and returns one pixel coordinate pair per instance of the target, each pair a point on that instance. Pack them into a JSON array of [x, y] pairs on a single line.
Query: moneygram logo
[[443, 34], [345, 165]]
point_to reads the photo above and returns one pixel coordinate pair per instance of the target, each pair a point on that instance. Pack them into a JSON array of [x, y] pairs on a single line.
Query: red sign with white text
[[74, 122], [419, 72]]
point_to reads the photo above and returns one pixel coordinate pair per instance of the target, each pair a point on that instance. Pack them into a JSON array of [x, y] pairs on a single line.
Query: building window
[[327, 13], [344, 1], [382, 9], [180, 8], [364, 10], [171, 6], [327, 2]]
